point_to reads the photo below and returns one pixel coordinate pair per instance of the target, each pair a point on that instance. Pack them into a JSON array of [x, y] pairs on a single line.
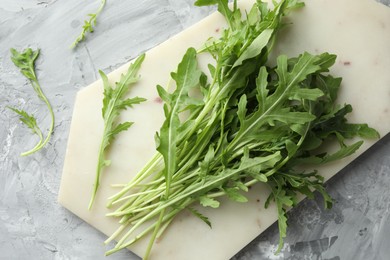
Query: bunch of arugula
[[25, 61], [253, 123]]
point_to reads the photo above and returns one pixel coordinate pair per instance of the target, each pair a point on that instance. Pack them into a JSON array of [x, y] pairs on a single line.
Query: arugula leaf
[[282, 201], [235, 195], [223, 7], [25, 61], [186, 78], [88, 25], [200, 216], [208, 202], [113, 103], [30, 121]]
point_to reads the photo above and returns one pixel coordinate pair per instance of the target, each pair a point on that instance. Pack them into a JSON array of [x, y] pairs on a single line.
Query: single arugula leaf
[[235, 195], [25, 61], [343, 152], [113, 103], [88, 26], [283, 201], [309, 94], [223, 7], [199, 215], [255, 48], [208, 202], [257, 165], [186, 77], [261, 88], [30, 121], [207, 161]]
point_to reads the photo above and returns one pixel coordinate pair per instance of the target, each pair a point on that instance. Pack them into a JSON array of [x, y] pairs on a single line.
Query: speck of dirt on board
[[258, 222], [382, 24], [158, 100]]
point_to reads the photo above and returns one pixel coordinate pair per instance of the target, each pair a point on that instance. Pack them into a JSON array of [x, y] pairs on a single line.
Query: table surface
[[33, 224]]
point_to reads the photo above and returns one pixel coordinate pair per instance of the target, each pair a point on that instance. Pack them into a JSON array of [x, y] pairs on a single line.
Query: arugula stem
[[122, 245], [98, 170], [51, 129], [138, 194], [145, 172], [154, 235]]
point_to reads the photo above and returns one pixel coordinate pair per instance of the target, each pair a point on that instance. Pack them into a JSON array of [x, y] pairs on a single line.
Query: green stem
[[41, 144], [141, 175], [98, 170]]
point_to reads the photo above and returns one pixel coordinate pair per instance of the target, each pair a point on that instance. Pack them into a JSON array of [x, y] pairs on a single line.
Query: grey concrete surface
[[34, 226]]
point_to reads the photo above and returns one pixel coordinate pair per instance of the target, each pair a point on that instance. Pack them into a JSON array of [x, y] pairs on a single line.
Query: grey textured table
[[34, 226]]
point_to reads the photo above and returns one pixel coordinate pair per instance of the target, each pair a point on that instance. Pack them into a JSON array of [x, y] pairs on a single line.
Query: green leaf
[[261, 87], [253, 16], [311, 142], [200, 216], [255, 48], [294, 4], [242, 186], [298, 128], [257, 165], [291, 147], [283, 115], [328, 85], [164, 95], [223, 7], [188, 73], [362, 130], [282, 71], [235, 195], [325, 61], [186, 77], [304, 93], [128, 103], [120, 128], [241, 112], [205, 2], [208, 159], [306, 65], [282, 201], [263, 9], [343, 152], [113, 102], [208, 202], [328, 201], [27, 119]]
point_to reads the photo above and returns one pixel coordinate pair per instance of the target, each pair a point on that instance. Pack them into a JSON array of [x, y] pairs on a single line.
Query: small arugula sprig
[[253, 123], [89, 25], [25, 61], [113, 103]]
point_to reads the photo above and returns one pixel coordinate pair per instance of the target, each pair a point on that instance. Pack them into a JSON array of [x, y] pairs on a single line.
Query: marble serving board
[[358, 31]]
